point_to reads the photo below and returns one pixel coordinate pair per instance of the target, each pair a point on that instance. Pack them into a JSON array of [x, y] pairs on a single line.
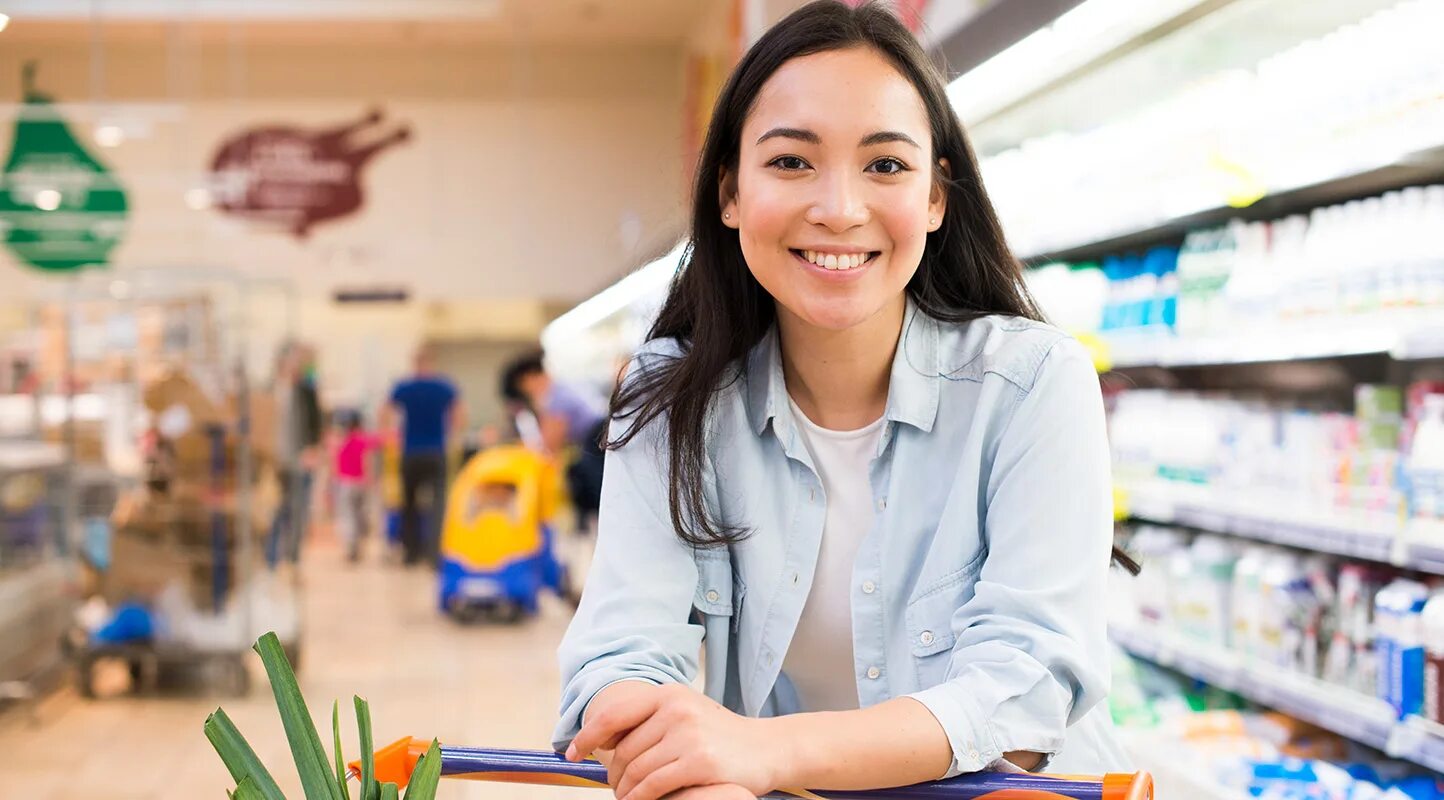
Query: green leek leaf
[[390, 792], [311, 763], [370, 789], [247, 790], [426, 776], [242, 762], [340, 762]]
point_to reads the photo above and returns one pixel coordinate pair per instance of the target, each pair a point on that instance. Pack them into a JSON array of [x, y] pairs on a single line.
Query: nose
[[840, 204]]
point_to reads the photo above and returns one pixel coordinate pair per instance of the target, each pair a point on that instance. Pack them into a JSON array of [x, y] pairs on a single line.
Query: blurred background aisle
[[378, 632]]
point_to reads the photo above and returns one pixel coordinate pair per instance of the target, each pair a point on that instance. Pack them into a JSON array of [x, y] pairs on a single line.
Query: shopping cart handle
[[395, 762]]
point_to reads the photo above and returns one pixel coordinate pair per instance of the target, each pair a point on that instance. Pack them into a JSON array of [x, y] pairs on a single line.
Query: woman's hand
[[668, 738]]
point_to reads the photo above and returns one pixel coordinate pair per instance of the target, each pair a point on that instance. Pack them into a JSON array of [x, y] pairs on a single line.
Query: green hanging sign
[[60, 208]]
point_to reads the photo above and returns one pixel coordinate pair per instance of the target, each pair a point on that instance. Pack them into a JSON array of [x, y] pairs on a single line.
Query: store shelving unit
[[1346, 712], [1316, 357], [1405, 169], [1379, 537], [1404, 336]]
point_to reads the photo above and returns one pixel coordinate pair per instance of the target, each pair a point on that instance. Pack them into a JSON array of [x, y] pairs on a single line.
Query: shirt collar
[[912, 395]]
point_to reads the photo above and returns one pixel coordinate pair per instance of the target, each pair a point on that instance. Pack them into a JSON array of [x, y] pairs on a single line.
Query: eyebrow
[[884, 137], [804, 135]]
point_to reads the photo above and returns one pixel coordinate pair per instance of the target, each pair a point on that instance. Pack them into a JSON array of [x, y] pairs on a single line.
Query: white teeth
[[834, 261]]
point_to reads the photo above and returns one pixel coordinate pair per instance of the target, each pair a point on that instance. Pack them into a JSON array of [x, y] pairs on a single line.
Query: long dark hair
[[719, 312]]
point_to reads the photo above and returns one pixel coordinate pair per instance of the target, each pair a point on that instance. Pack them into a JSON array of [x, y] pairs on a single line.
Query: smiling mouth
[[837, 262]]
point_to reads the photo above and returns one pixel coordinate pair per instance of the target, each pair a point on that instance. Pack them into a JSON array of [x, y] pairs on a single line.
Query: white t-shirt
[[819, 661]]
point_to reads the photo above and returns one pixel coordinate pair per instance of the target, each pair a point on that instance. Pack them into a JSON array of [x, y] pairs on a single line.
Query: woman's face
[[834, 193]]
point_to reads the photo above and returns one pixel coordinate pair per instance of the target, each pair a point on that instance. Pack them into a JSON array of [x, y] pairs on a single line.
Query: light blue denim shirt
[[979, 590]]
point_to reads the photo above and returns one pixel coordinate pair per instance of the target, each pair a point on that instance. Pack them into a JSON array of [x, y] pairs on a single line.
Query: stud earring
[[933, 222], [726, 216]]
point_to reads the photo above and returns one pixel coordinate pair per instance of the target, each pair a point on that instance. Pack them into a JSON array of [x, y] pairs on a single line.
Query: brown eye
[[887, 166], [788, 163]]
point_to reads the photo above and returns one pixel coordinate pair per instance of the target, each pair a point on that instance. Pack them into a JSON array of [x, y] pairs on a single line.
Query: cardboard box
[[161, 540]]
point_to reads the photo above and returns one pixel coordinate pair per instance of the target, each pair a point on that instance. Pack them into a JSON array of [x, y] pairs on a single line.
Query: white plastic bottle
[[1247, 598], [1426, 461], [1214, 558]]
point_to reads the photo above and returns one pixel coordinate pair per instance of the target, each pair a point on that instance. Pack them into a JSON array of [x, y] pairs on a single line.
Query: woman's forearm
[[895, 743]]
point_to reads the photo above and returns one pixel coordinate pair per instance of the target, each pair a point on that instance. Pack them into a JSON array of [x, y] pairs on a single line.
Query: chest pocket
[[929, 620], [719, 590]]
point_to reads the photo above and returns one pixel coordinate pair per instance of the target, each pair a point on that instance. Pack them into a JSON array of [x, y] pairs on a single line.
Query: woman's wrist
[[791, 743]]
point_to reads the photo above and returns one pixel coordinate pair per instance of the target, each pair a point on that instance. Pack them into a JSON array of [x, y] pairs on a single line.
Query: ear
[[938, 200], [727, 196]]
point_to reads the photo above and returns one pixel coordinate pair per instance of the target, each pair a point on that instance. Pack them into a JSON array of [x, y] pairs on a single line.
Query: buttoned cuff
[[968, 731]]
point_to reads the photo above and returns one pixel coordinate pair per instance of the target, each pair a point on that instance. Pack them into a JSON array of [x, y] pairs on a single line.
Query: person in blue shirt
[[430, 411], [851, 472]]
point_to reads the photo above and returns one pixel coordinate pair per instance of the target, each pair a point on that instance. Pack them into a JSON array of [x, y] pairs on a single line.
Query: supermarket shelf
[[1346, 712], [1293, 343], [1368, 536], [18, 455], [1424, 546], [1177, 769], [1421, 166]]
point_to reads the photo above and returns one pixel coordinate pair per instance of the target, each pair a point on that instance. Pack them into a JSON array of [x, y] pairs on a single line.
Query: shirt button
[[712, 596], [795, 576], [881, 503], [811, 495], [926, 637], [873, 672], [868, 587]]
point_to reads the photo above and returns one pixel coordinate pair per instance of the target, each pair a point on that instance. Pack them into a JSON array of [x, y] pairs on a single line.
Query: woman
[[849, 463]]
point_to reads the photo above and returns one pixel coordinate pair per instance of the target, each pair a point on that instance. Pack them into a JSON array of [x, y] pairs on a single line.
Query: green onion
[[389, 792], [311, 763], [239, 758], [426, 775]]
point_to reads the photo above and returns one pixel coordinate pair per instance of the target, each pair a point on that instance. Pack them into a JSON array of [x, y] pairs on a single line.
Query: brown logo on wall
[[294, 178]]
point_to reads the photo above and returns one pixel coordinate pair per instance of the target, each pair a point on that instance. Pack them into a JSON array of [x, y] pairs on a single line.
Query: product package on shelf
[[1386, 458], [1203, 743], [1379, 260], [1371, 629]]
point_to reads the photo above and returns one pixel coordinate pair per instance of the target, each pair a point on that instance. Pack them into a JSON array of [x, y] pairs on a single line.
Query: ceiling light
[[47, 199], [198, 199], [4, 20], [109, 135], [1084, 33], [651, 280]]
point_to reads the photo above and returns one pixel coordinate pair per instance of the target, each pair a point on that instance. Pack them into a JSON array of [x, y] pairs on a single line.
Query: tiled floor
[[370, 630]]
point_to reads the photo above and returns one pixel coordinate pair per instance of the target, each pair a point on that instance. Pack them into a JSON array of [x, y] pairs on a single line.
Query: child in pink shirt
[[352, 497]]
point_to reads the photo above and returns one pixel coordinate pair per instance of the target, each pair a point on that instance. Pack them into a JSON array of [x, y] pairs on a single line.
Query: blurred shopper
[[849, 407], [569, 423], [353, 483], [298, 440], [431, 412]]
